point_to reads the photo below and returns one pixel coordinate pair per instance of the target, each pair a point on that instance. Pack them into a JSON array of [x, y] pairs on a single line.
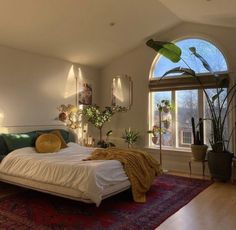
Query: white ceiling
[[80, 30], [212, 12]]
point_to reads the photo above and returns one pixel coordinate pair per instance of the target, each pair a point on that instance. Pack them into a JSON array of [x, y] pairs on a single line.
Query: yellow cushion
[[58, 133], [48, 143]]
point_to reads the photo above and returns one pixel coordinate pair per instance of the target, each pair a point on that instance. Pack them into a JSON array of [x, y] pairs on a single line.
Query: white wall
[[137, 64], [32, 86]]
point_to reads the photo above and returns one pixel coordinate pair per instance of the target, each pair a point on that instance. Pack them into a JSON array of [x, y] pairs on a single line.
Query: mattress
[[65, 173]]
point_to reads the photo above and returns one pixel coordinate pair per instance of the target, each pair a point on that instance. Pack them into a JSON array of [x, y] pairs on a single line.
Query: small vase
[[155, 140]]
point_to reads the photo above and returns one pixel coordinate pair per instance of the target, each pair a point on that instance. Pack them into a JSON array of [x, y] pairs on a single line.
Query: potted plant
[[219, 158], [198, 147], [155, 132], [130, 137], [99, 117], [106, 143]]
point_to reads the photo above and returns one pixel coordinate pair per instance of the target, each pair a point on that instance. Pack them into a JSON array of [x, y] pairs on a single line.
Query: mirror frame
[[130, 87]]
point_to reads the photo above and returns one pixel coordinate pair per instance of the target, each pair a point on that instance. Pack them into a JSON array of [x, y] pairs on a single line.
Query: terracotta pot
[[199, 152], [155, 140]]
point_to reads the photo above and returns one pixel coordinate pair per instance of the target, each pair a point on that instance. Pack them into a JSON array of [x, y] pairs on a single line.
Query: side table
[[192, 160]]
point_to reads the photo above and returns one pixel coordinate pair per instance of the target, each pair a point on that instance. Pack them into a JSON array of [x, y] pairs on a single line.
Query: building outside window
[[186, 94]]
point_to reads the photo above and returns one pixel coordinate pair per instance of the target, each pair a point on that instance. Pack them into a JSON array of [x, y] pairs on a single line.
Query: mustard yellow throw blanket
[[140, 167]]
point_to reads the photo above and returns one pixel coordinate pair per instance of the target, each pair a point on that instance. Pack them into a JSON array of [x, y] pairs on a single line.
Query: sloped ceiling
[[90, 32], [211, 12], [94, 32]]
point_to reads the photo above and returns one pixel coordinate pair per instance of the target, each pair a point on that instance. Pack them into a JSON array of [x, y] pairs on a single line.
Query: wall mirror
[[122, 90]]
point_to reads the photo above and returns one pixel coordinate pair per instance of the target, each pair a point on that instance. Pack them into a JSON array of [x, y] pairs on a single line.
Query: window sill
[[169, 149]]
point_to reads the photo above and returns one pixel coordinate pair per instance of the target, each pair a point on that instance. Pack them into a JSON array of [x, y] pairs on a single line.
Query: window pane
[[207, 50], [187, 107], [207, 114], [157, 97]]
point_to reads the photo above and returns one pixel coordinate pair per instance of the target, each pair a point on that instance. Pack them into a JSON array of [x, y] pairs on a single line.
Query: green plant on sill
[[172, 52], [130, 137]]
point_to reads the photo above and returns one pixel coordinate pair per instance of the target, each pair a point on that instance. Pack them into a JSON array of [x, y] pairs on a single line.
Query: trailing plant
[[218, 139]]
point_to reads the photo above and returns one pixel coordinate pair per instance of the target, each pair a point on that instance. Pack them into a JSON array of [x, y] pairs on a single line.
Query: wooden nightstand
[[192, 160]]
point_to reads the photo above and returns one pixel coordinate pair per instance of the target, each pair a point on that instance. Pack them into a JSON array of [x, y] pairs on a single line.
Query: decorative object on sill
[[98, 117], [130, 137], [220, 106], [70, 115], [198, 147]]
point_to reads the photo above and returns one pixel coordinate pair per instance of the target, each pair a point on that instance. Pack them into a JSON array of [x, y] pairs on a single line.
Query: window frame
[[187, 83]]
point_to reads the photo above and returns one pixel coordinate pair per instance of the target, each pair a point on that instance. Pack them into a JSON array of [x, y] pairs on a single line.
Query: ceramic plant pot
[[199, 152], [220, 165], [155, 140]]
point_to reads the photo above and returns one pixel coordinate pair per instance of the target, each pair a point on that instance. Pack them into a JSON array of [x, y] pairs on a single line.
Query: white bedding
[[65, 168]]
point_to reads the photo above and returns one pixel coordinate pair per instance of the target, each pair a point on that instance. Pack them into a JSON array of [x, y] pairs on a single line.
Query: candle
[[90, 141]]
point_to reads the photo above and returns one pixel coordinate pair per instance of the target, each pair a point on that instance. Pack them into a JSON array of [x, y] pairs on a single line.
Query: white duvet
[[65, 168]]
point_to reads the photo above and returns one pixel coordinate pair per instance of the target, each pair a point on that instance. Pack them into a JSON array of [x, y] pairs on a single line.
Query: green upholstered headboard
[[27, 139]]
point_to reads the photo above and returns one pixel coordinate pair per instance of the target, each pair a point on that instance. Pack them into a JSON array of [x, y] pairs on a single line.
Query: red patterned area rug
[[33, 210]]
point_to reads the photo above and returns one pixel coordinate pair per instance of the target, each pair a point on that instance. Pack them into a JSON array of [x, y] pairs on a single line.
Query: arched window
[[184, 92]]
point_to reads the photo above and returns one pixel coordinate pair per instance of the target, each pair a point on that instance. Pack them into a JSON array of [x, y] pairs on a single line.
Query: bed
[[63, 173]]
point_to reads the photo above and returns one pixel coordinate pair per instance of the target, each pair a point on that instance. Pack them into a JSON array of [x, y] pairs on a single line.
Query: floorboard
[[213, 209]]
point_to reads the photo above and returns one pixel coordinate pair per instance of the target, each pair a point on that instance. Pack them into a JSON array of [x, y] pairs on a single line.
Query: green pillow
[[19, 140]]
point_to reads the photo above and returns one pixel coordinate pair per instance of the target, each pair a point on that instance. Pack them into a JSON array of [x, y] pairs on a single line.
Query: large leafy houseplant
[[218, 140], [98, 117]]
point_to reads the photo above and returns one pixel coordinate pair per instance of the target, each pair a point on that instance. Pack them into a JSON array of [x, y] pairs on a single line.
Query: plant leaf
[[167, 49], [203, 60], [109, 133], [216, 95], [184, 71]]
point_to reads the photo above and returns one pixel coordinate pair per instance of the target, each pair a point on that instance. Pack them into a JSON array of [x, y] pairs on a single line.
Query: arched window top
[[206, 49]]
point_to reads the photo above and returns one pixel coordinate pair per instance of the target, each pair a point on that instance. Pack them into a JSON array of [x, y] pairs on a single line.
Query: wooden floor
[[213, 209]]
